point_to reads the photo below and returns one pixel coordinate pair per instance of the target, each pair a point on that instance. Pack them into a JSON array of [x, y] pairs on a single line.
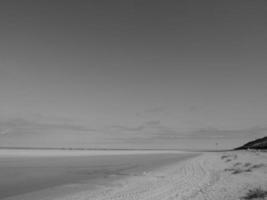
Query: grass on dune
[[257, 193]]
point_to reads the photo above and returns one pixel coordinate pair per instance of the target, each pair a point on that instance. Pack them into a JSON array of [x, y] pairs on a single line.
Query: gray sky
[[127, 73]]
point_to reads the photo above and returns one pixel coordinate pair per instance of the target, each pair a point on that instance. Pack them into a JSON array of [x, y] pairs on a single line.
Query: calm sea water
[[23, 174]]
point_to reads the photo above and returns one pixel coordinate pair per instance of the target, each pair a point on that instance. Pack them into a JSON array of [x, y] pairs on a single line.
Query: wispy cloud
[[146, 129], [152, 123], [4, 131], [152, 111], [127, 128], [228, 133], [155, 109], [151, 131], [23, 125]]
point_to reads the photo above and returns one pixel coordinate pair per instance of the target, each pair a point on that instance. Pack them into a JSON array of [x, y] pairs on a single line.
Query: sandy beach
[[206, 176]]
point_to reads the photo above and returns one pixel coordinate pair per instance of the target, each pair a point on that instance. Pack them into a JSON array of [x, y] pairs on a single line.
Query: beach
[[225, 175]]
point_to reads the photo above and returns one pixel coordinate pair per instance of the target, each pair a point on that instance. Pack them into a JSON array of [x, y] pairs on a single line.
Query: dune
[[210, 176], [260, 143]]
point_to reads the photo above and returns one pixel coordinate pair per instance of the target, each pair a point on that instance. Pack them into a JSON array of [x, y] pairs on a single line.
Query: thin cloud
[[153, 111], [154, 131], [139, 128], [4, 131], [152, 123], [147, 129], [228, 133], [32, 126], [126, 128]]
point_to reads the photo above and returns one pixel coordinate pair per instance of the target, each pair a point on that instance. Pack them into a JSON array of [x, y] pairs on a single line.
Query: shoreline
[[93, 152], [67, 174]]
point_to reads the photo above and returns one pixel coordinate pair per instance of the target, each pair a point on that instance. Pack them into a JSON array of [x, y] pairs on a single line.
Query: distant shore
[[112, 149]]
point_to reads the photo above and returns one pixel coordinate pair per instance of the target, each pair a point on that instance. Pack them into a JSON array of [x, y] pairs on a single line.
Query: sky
[[133, 74]]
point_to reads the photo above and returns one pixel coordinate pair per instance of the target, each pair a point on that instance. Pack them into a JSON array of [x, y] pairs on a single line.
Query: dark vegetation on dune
[[255, 144], [256, 193]]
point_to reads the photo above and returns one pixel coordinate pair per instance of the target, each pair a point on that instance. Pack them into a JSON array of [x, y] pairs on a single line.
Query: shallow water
[[23, 174]]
